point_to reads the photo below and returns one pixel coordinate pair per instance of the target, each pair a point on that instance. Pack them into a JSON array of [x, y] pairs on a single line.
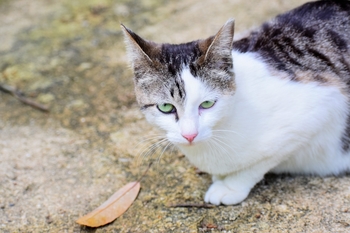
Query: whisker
[[149, 150], [211, 147], [167, 145], [146, 143], [155, 146], [229, 131], [150, 139], [223, 144], [147, 140], [142, 153], [219, 138], [173, 149]]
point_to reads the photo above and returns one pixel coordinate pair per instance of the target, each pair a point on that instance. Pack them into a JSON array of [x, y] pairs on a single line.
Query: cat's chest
[[221, 154]]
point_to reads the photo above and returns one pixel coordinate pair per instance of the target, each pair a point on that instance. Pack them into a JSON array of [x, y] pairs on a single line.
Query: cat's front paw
[[219, 193]]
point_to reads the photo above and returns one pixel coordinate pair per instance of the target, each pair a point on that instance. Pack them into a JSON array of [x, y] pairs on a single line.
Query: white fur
[[269, 124], [272, 124]]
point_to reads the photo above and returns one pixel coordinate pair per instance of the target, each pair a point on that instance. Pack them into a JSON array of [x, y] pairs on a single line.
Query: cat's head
[[184, 89]]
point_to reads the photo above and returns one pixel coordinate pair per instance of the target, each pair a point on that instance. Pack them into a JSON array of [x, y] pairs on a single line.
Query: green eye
[[166, 108], [207, 104]]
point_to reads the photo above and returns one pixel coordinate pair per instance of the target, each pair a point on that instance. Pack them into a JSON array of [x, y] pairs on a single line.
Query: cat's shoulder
[[301, 23]]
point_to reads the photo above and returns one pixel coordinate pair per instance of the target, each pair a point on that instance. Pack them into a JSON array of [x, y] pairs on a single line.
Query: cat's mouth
[[190, 144], [186, 144]]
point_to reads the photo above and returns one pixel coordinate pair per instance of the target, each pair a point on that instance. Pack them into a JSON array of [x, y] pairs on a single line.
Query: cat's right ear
[[139, 51], [218, 49]]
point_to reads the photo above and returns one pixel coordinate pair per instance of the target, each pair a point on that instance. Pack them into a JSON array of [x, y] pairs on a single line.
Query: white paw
[[219, 193]]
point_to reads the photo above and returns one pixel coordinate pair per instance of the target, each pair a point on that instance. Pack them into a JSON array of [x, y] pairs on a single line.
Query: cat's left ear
[[218, 49]]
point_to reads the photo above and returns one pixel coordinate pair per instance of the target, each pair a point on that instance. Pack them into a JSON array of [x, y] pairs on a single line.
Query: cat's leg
[[234, 188]]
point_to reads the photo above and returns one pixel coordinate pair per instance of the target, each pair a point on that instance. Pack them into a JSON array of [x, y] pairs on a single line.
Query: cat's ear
[[218, 49], [139, 51]]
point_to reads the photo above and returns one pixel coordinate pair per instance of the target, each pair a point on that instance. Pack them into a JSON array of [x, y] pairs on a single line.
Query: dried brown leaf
[[111, 209]]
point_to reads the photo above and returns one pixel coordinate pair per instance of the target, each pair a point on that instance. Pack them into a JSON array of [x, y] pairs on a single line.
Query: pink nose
[[190, 137]]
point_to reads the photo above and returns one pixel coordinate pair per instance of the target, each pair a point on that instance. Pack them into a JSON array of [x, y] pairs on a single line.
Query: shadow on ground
[[57, 166]]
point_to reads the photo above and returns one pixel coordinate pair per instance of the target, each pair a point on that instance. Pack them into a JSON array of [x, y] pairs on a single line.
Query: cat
[[274, 101]]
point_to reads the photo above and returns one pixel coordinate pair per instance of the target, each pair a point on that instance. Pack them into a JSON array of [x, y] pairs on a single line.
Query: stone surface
[[57, 166]]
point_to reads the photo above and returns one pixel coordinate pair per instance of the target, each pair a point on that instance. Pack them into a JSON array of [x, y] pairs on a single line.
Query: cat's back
[[313, 38], [330, 14]]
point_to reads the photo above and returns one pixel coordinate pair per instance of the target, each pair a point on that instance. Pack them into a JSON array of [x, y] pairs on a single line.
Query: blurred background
[[56, 166]]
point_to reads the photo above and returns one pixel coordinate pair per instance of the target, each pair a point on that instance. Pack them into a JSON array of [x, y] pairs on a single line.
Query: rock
[[46, 98]]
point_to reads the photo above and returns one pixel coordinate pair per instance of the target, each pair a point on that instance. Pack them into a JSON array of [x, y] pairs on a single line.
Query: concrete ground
[[58, 166]]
